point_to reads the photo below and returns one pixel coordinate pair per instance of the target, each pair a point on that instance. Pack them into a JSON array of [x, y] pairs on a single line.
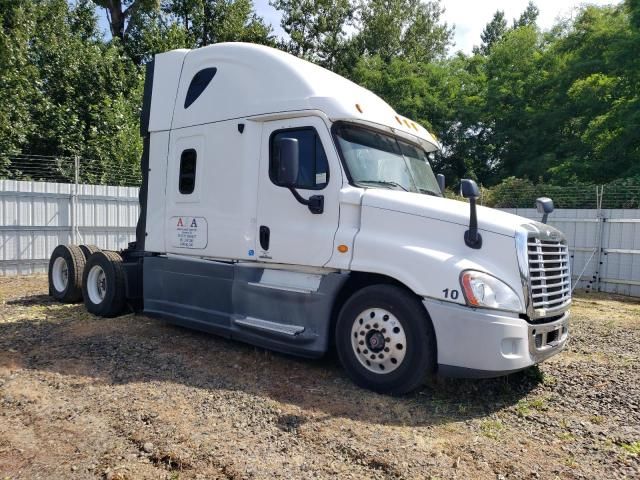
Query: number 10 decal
[[453, 293]]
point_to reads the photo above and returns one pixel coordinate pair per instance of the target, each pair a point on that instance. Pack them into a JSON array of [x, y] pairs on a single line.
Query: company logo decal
[[189, 232]]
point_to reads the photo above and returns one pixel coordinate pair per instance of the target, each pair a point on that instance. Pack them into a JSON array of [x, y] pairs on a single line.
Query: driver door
[[287, 231]]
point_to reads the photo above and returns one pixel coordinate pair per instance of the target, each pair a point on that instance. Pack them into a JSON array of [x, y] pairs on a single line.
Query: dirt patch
[[132, 397]]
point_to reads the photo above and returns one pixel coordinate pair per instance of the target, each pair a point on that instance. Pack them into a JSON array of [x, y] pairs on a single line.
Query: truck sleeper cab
[[285, 206]]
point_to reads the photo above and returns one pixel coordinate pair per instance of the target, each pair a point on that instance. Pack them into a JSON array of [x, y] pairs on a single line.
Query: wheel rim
[[96, 284], [60, 274], [378, 340]]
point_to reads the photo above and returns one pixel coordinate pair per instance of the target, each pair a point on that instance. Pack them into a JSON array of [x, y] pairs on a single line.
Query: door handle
[[265, 234]]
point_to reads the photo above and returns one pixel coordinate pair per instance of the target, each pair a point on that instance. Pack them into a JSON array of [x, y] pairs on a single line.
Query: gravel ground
[[132, 397]]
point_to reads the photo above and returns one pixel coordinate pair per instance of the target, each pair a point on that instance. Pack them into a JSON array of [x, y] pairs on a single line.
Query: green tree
[[410, 29], [17, 76], [595, 97], [119, 13], [212, 21], [77, 96], [316, 28], [528, 17], [492, 33]]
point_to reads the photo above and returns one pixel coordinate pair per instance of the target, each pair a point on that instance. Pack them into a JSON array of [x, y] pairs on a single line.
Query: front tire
[[103, 284], [65, 273], [385, 340]]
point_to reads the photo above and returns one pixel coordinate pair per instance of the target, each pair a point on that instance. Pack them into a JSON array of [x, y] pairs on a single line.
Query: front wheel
[[385, 340]]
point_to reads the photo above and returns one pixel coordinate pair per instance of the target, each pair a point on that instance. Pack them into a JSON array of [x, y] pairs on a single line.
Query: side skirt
[[277, 309]]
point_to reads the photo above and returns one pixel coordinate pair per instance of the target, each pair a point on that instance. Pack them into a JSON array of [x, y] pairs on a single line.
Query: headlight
[[482, 290]]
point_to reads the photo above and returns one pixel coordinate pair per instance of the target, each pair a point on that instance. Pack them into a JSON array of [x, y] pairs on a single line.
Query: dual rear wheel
[[103, 286], [86, 272]]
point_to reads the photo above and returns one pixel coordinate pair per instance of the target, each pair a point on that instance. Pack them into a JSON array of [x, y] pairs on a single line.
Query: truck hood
[[442, 209]]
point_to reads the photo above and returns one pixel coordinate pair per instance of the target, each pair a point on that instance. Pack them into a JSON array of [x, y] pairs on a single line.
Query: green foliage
[[17, 76], [515, 192], [410, 29], [632, 448], [193, 24], [528, 17], [555, 108], [120, 13], [492, 33], [71, 94], [316, 28]]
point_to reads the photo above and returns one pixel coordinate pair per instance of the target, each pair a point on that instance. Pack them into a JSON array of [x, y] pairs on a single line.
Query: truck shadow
[[41, 335]]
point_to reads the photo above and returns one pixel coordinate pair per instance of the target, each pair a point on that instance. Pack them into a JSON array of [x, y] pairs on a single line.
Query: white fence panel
[[35, 217], [604, 245]]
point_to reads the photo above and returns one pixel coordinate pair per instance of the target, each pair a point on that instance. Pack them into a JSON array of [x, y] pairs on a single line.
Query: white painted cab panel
[[225, 193], [298, 236]]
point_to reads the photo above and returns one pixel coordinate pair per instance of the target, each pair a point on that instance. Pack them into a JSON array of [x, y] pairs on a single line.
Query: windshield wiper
[[382, 182], [429, 192]]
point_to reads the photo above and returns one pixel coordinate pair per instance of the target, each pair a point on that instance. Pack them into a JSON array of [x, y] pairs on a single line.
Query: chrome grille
[[549, 274]]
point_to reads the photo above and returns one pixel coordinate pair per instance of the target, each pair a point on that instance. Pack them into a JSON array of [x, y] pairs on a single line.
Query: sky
[[468, 16], [471, 16]]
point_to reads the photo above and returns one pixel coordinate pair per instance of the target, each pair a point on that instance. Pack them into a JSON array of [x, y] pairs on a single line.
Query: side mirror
[[289, 161], [544, 206], [441, 182], [288, 153], [469, 189]]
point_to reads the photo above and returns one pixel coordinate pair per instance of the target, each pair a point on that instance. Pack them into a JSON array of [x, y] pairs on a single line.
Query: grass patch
[[632, 448], [549, 380], [526, 407], [491, 428], [566, 437], [571, 462]]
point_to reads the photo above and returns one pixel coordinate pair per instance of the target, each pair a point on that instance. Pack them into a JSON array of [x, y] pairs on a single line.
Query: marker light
[[343, 248], [482, 290], [359, 107]]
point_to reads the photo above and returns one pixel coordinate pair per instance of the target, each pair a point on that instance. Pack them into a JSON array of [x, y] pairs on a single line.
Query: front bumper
[[474, 342]]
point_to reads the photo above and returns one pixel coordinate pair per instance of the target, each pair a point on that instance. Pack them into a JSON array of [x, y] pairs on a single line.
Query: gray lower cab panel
[[235, 301]]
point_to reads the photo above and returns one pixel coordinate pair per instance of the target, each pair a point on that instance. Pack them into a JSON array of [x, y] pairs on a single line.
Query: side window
[[199, 82], [313, 173], [187, 177]]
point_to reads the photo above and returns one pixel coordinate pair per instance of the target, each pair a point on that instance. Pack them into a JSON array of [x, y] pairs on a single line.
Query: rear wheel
[[103, 284], [65, 273], [385, 340], [89, 250]]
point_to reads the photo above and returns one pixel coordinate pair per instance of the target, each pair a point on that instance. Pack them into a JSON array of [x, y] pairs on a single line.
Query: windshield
[[376, 159]]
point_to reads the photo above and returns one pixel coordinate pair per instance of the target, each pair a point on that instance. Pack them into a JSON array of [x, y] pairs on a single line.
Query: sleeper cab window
[[198, 84], [313, 169], [187, 177]]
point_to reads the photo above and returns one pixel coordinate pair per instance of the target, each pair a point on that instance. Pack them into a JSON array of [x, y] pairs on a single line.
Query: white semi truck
[[285, 206]]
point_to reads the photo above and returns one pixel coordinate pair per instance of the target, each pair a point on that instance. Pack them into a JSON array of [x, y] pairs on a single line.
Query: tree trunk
[[116, 17]]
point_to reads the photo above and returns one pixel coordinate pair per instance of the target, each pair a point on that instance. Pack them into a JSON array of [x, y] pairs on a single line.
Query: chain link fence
[[68, 169], [586, 196]]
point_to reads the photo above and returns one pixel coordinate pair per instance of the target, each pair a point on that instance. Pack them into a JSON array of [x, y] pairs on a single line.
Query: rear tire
[[103, 284], [89, 250], [385, 340], [65, 273]]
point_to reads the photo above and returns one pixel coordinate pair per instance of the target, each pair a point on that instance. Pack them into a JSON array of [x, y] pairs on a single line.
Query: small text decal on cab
[[451, 293]]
